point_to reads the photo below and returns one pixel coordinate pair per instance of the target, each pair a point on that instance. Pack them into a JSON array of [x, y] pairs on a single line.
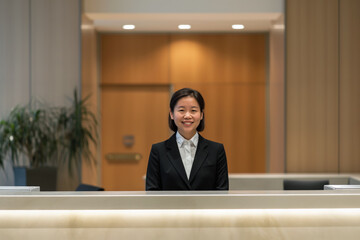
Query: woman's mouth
[[187, 123]]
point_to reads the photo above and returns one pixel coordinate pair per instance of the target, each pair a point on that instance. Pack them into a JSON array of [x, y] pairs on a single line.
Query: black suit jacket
[[166, 170]]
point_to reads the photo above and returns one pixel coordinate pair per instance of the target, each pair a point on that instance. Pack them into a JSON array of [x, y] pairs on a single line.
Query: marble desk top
[[180, 200]]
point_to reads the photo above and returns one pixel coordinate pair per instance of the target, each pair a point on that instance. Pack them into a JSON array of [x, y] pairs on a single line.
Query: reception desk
[[275, 181], [181, 215]]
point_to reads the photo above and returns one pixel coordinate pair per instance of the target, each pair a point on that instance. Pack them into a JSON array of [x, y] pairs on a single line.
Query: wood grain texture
[[233, 83], [349, 86], [235, 116], [135, 58], [312, 86], [140, 111], [214, 58], [229, 70]]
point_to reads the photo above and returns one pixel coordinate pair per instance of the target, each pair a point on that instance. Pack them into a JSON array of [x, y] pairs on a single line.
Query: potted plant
[[29, 134], [47, 137], [76, 129]]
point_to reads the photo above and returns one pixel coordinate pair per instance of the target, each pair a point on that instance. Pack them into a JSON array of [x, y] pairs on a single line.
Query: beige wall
[[276, 100], [14, 54], [14, 64], [55, 50], [40, 51], [90, 87]]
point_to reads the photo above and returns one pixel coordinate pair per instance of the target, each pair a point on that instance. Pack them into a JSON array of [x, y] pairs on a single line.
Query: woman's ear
[[171, 114], [202, 115]]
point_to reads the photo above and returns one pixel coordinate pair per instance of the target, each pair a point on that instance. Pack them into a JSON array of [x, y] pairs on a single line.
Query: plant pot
[[45, 177]]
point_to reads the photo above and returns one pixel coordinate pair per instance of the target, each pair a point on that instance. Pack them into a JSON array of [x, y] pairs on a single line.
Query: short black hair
[[187, 92]]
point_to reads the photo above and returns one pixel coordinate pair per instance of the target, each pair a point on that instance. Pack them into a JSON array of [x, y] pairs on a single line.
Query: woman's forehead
[[187, 101]]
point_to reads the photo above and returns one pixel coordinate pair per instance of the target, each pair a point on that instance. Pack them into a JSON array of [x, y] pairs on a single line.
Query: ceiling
[[203, 22]]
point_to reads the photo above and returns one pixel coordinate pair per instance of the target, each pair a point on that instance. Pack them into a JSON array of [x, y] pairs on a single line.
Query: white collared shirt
[[187, 150]]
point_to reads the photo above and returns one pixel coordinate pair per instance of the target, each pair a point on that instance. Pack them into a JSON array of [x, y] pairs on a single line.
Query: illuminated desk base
[[156, 216]]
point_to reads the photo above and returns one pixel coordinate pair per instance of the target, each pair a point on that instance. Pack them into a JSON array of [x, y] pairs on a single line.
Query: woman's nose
[[187, 115]]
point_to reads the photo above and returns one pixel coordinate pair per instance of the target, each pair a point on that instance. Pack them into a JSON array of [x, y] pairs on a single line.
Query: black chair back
[[86, 187], [291, 184]]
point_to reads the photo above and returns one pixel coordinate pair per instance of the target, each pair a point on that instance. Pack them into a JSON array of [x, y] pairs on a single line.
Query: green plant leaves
[[49, 135]]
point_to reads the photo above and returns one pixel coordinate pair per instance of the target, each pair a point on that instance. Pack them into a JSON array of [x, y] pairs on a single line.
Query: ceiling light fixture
[[86, 26], [184, 26], [128, 27], [279, 26], [238, 26]]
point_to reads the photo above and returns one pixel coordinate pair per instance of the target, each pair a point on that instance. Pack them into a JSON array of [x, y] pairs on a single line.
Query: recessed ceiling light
[[238, 26], [128, 27], [184, 26], [279, 26], [87, 26]]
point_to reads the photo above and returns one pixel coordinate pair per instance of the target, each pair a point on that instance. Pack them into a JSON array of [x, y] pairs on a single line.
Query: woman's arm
[[222, 178], [153, 180]]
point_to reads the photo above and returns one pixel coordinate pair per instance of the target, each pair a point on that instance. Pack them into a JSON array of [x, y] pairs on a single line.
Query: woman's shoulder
[[159, 144], [165, 143], [212, 143]]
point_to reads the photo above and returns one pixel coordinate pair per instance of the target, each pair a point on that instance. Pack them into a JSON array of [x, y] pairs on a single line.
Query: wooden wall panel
[[349, 86], [214, 58], [229, 70], [221, 66], [235, 116], [134, 59], [312, 86], [140, 112]]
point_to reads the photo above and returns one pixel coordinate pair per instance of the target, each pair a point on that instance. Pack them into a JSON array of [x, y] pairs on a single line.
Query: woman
[[187, 161]]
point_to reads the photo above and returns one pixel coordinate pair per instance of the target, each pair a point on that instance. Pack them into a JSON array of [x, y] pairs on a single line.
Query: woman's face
[[187, 116]]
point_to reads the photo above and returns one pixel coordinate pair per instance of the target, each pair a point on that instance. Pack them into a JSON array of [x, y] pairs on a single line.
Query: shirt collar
[[180, 139]]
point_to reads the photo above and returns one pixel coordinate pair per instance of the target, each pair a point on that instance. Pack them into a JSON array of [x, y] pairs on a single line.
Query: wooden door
[[133, 118]]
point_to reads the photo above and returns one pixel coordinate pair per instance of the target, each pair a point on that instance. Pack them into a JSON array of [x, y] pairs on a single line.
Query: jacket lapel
[[200, 156], [174, 157]]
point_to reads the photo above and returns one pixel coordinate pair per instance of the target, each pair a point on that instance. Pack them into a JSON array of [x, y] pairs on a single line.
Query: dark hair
[[187, 92]]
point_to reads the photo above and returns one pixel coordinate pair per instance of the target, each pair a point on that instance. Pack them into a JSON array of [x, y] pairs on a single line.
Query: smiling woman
[[187, 161], [187, 116], [187, 112]]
